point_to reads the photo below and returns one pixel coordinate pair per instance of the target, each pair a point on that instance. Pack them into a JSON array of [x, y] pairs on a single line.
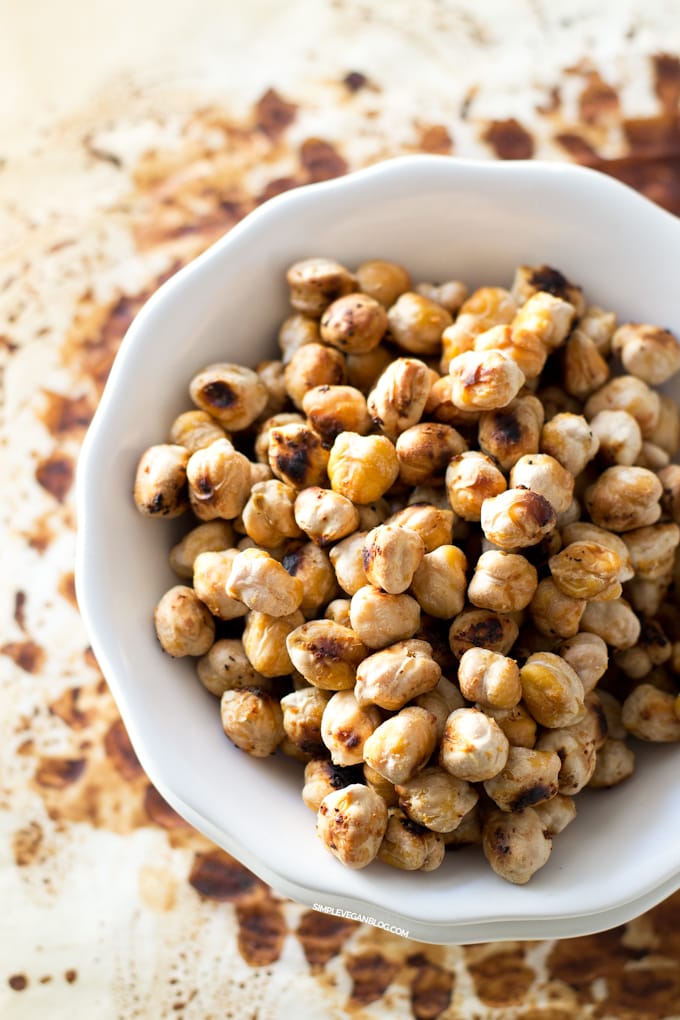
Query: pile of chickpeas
[[432, 556]]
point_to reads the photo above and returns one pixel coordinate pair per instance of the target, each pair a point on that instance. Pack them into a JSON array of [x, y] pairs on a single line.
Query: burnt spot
[[293, 461], [371, 974], [312, 745], [598, 100], [121, 753], [322, 936], [261, 931], [157, 504], [507, 429], [55, 474], [474, 376], [354, 81], [534, 795], [219, 394], [17, 982], [67, 588], [340, 777], [26, 654], [217, 876], [550, 280], [66, 708], [485, 633], [652, 635], [321, 160], [539, 508], [498, 841], [203, 484], [509, 139], [58, 773], [502, 978], [349, 738], [293, 561], [413, 828], [273, 114]]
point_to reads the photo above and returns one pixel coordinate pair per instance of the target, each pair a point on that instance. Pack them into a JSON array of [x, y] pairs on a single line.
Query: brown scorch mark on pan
[[667, 80], [273, 114], [217, 876], [67, 588], [322, 936], [501, 978], [57, 773], [371, 974], [19, 610], [354, 81], [26, 654], [160, 812], [55, 474], [509, 139], [431, 989], [121, 753], [435, 139], [261, 931], [27, 844], [66, 708], [321, 160], [66, 415], [598, 100]]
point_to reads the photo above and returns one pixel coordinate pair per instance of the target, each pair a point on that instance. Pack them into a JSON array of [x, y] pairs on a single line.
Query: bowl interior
[[442, 220]]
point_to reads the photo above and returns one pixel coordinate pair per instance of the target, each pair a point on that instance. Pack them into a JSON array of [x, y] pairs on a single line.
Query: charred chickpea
[[424, 450], [624, 498], [380, 619], [211, 572], [451, 294], [618, 435], [397, 674], [391, 557], [355, 323], [325, 516], [649, 714], [232, 394], [351, 823], [434, 524], [313, 364], [226, 667], [401, 746], [614, 762], [268, 516], [338, 611], [439, 582], [525, 347], [346, 726], [570, 440], [297, 456], [627, 393], [552, 690], [584, 369], [504, 582], [584, 531], [587, 655], [347, 558], [517, 518], [517, 724], [311, 565], [335, 409], [296, 331], [252, 719], [474, 747], [482, 628], [416, 323], [587, 570], [553, 613], [326, 654], [484, 308], [195, 429], [653, 649], [436, 799], [383, 281], [484, 380], [183, 624], [323, 777], [471, 478], [160, 488], [529, 777], [214, 536], [515, 845], [652, 549], [648, 352], [489, 678], [302, 712], [530, 280], [364, 370], [315, 282], [264, 642], [545, 475], [511, 432], [398, 398], [219, 481], [409, 846], [263, 434], [362, 468], [263, 584]]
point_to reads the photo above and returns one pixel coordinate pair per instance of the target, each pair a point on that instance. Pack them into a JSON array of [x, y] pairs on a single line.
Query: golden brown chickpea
[[297, 456], [383, 281], [432, 523], [481, 628], [410, 846], [326, 653], [584, 368], [262, 440], [648, 352], [666, 433], [380, 785], [380, 619], [525, 347], [225, 667], [219, 481], [259, 473], [474, 747], [471, 478], [587, 570], [391, 557], [615, 622], [352, 823], [313, 568], [547, 316], [398, 398], [335, 409], [504, 582], [296, 331], [570, 440], [624, 498], [160, 488], [401, 746], [253, 720], [489, 679], [211, 572], [652, 456], [511, 432], [451, 294], [373, 514], [364, 370], [440, 406], [416, 323], [424, 450], [599, 326], [528, 778], [619, 436], [614, 762], [649, 714], [531, 280], [272, 374], [484, 380], [232, 394], [439, 582], [517, 518], [484, 308], [315, 282], [517, 724], [577, 758], [362, 468], [268, 516], [347, 558], [338, 611], [263, 584], [652, 549], [553, 613], [313, 365], [397, 674], [552, 690], [627, 393], [183, 624], [355, 323], [583, 531], [587, 655], [325, 516], [468, 832], [195, 429], [545, 475], [321, 778], [346, 726], [436, 799], [556, 814], [214, 536], [302, 712], [264, 641], [515, 845]]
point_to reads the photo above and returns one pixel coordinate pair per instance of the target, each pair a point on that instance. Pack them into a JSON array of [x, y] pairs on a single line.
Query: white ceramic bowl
[[442, 219]]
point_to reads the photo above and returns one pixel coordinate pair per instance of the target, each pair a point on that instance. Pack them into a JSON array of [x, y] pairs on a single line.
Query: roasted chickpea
[[436, 799], [211, 572], [484, 380], [416, 323], [351, 822], [555, 401], [397, 674], [556, 814], [315, 282], [232, 394], [543, 474], [373, 514], [439, 582], [553, 613], [504, 582], [398, 398], [511, 432], [252, 719], [544, 279], [259, 473], [401, 746], [525, 347], [264, 642], [652, 456], [325, 516], [576, 758], [583, 531], [619, 436], [326, 653], [515, 845], [615, 622], [263, 584], [226, 667], [546, 316], [364, 370], [529, 777], [612, 709], [433, 524], [474, 747], [588, 656], [219, 481], [627, 393], [584, 368], [362, 468], [160, 488], [313, 365], [614, 762], [263, 435], [434, 702], [323, 777], [586, 570], [517, 724], [649, 714], [451, 294], [552, 690], [297, 455], [484, 308], [666, 433], [410, 846], [489, 678], [354, 323], [346, 726], [599, 326], [424, 450], [482, 628], [652, 549], [338, 611], [440, 406], [302, 712], [195, 429], [380, 785], [570, 440], [471, 478], [183, 624], [214, 536], [383, 281], [268, 516], [347, 558], [648, 352], [468, 832], [381, 619], [391, 557], [313, 568], [624, 498], [335, 409], [517, 518], [296, 331], [653, 649], [272, 374]]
